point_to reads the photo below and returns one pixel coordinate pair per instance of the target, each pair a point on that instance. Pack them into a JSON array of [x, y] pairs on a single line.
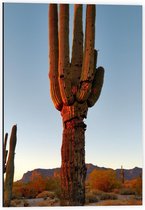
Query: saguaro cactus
[[5, 152], [9, 166], [74, 86], [122, 175]]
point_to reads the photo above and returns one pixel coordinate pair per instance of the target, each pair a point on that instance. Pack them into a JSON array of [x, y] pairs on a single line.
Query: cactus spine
[[9, 166], [74, 86]]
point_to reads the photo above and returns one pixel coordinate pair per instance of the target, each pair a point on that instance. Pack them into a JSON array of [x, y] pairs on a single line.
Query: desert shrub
[[24, 190], [100, 195], [91, 197], [108, 196], [26, 203], [58, 193], [45, 194], [15, 203], [29, 192], [127, 191], [50, 202], [53, 183], [132, 187], [138, 186], [96, 192], [16, 190], [104, 180], [116, 191], [37, 185], [16, 193]]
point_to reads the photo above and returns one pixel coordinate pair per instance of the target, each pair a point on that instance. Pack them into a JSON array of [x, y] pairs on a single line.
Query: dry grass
[[49, 202], [119, 202], [15, 203], [19, 203], [26, 203], [108, 196], [91, 197], [92, 201]]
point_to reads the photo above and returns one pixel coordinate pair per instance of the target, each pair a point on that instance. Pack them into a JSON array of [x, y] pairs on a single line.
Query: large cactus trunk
[[73, 169], [74, 86], [10, 168]]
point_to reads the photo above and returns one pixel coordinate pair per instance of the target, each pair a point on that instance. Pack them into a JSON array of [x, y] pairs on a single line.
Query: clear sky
[[114, 124]]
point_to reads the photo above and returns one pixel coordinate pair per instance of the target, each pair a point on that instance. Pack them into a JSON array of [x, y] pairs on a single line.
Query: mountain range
[[128, 173]]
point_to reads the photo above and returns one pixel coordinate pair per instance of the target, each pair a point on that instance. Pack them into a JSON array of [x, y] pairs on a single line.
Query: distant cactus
[[9, 166], [122, 175], [74, 86]]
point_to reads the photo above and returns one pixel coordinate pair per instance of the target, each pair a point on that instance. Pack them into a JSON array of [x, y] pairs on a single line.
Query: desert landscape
[[104, 187], [72, 98]]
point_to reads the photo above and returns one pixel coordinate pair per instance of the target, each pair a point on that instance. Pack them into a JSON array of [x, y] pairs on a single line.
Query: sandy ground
[[122, 200], [34, 201]]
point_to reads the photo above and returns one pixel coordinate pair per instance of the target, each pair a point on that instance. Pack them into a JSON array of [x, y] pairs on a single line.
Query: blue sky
[[114, 124]]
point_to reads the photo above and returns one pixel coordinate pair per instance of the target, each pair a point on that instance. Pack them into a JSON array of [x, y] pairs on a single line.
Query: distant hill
[[30, 175], [130, 173]]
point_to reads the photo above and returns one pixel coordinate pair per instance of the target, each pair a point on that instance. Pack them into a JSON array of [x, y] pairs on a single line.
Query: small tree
[[134, 185], [104, 180]]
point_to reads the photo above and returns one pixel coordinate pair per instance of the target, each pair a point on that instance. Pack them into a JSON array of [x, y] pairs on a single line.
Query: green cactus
[[9, 166], [74, 86]]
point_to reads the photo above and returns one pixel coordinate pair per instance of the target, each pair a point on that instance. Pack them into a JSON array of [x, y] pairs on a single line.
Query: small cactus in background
[[122, 175], [74, 86], [9, 165]]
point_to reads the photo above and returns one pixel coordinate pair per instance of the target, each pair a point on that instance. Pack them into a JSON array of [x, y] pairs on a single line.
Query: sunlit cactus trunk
[[74, 86], [9, 167], [73, 169]]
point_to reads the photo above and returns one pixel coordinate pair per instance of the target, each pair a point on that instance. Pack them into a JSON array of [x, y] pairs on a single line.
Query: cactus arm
[[5, 152], [87, 74], [64, 65], [96, 87], [77, 47], [10, 168], [89, 44], [86, 86], [53, 55]]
